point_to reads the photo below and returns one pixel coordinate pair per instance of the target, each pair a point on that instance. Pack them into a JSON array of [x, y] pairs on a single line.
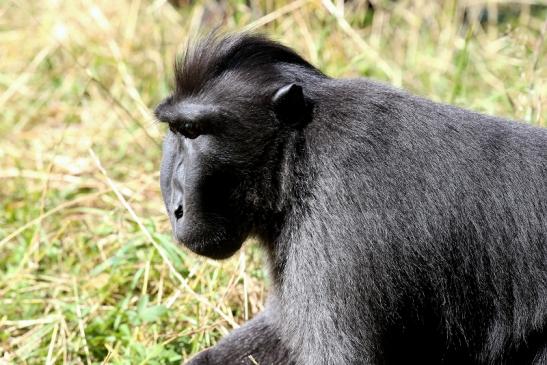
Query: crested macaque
[[396, 230]]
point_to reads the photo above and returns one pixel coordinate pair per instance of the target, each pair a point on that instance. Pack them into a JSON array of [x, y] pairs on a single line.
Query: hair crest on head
[[215, 54]]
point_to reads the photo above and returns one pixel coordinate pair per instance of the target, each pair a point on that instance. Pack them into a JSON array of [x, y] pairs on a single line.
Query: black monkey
[[397, 230]]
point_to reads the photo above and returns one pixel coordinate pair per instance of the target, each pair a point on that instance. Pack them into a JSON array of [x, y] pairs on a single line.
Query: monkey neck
[[294, 185], [309, 180]]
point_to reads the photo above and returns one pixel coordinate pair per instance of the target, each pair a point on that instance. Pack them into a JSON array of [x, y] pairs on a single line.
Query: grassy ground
[[88, 273]]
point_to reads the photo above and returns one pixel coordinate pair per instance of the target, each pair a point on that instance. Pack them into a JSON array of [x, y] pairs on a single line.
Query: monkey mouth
[[213, 249], [213, 243]]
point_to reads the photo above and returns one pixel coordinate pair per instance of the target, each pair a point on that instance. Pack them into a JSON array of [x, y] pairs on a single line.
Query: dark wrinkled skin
[[397, 230]]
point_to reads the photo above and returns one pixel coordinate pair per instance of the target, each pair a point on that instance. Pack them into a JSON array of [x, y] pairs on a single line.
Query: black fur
[[398, 230]]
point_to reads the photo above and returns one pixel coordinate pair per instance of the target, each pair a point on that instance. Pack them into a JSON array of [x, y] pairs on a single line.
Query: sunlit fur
[[397, 230]]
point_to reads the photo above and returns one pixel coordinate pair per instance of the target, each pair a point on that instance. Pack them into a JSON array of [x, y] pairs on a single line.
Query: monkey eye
[[189, 130]]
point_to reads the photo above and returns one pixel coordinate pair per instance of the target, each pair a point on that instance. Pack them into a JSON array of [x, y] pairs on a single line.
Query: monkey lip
[[211, 243], [212, 249]]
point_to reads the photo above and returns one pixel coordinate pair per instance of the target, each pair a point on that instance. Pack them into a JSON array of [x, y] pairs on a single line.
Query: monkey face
[[197, 190], [200, 178]]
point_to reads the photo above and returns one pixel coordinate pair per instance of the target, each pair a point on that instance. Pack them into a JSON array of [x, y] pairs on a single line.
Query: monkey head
[[228, 117]]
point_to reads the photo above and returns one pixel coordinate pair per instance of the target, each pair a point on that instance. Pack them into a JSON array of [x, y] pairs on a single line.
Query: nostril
[[179, 212]]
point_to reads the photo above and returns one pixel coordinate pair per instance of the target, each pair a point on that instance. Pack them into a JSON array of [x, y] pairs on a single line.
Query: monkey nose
[[179, 212]]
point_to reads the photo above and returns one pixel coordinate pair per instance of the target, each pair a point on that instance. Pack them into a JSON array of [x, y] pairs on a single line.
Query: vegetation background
[[88, 272]]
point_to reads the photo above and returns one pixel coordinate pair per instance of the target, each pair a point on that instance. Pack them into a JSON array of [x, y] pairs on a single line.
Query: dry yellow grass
[[88, 273]]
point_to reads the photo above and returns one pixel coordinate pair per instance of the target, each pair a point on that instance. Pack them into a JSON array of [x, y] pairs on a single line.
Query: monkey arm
[[541, 356], [256, 342]]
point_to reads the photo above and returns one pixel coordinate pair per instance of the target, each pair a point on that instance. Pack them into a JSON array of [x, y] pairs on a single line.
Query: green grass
[[88, 273]]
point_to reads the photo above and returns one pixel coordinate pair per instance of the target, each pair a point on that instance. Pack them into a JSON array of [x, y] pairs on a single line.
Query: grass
[[88, 273]]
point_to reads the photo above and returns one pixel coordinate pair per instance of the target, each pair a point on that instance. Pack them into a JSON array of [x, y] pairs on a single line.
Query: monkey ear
[[290, 106]]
